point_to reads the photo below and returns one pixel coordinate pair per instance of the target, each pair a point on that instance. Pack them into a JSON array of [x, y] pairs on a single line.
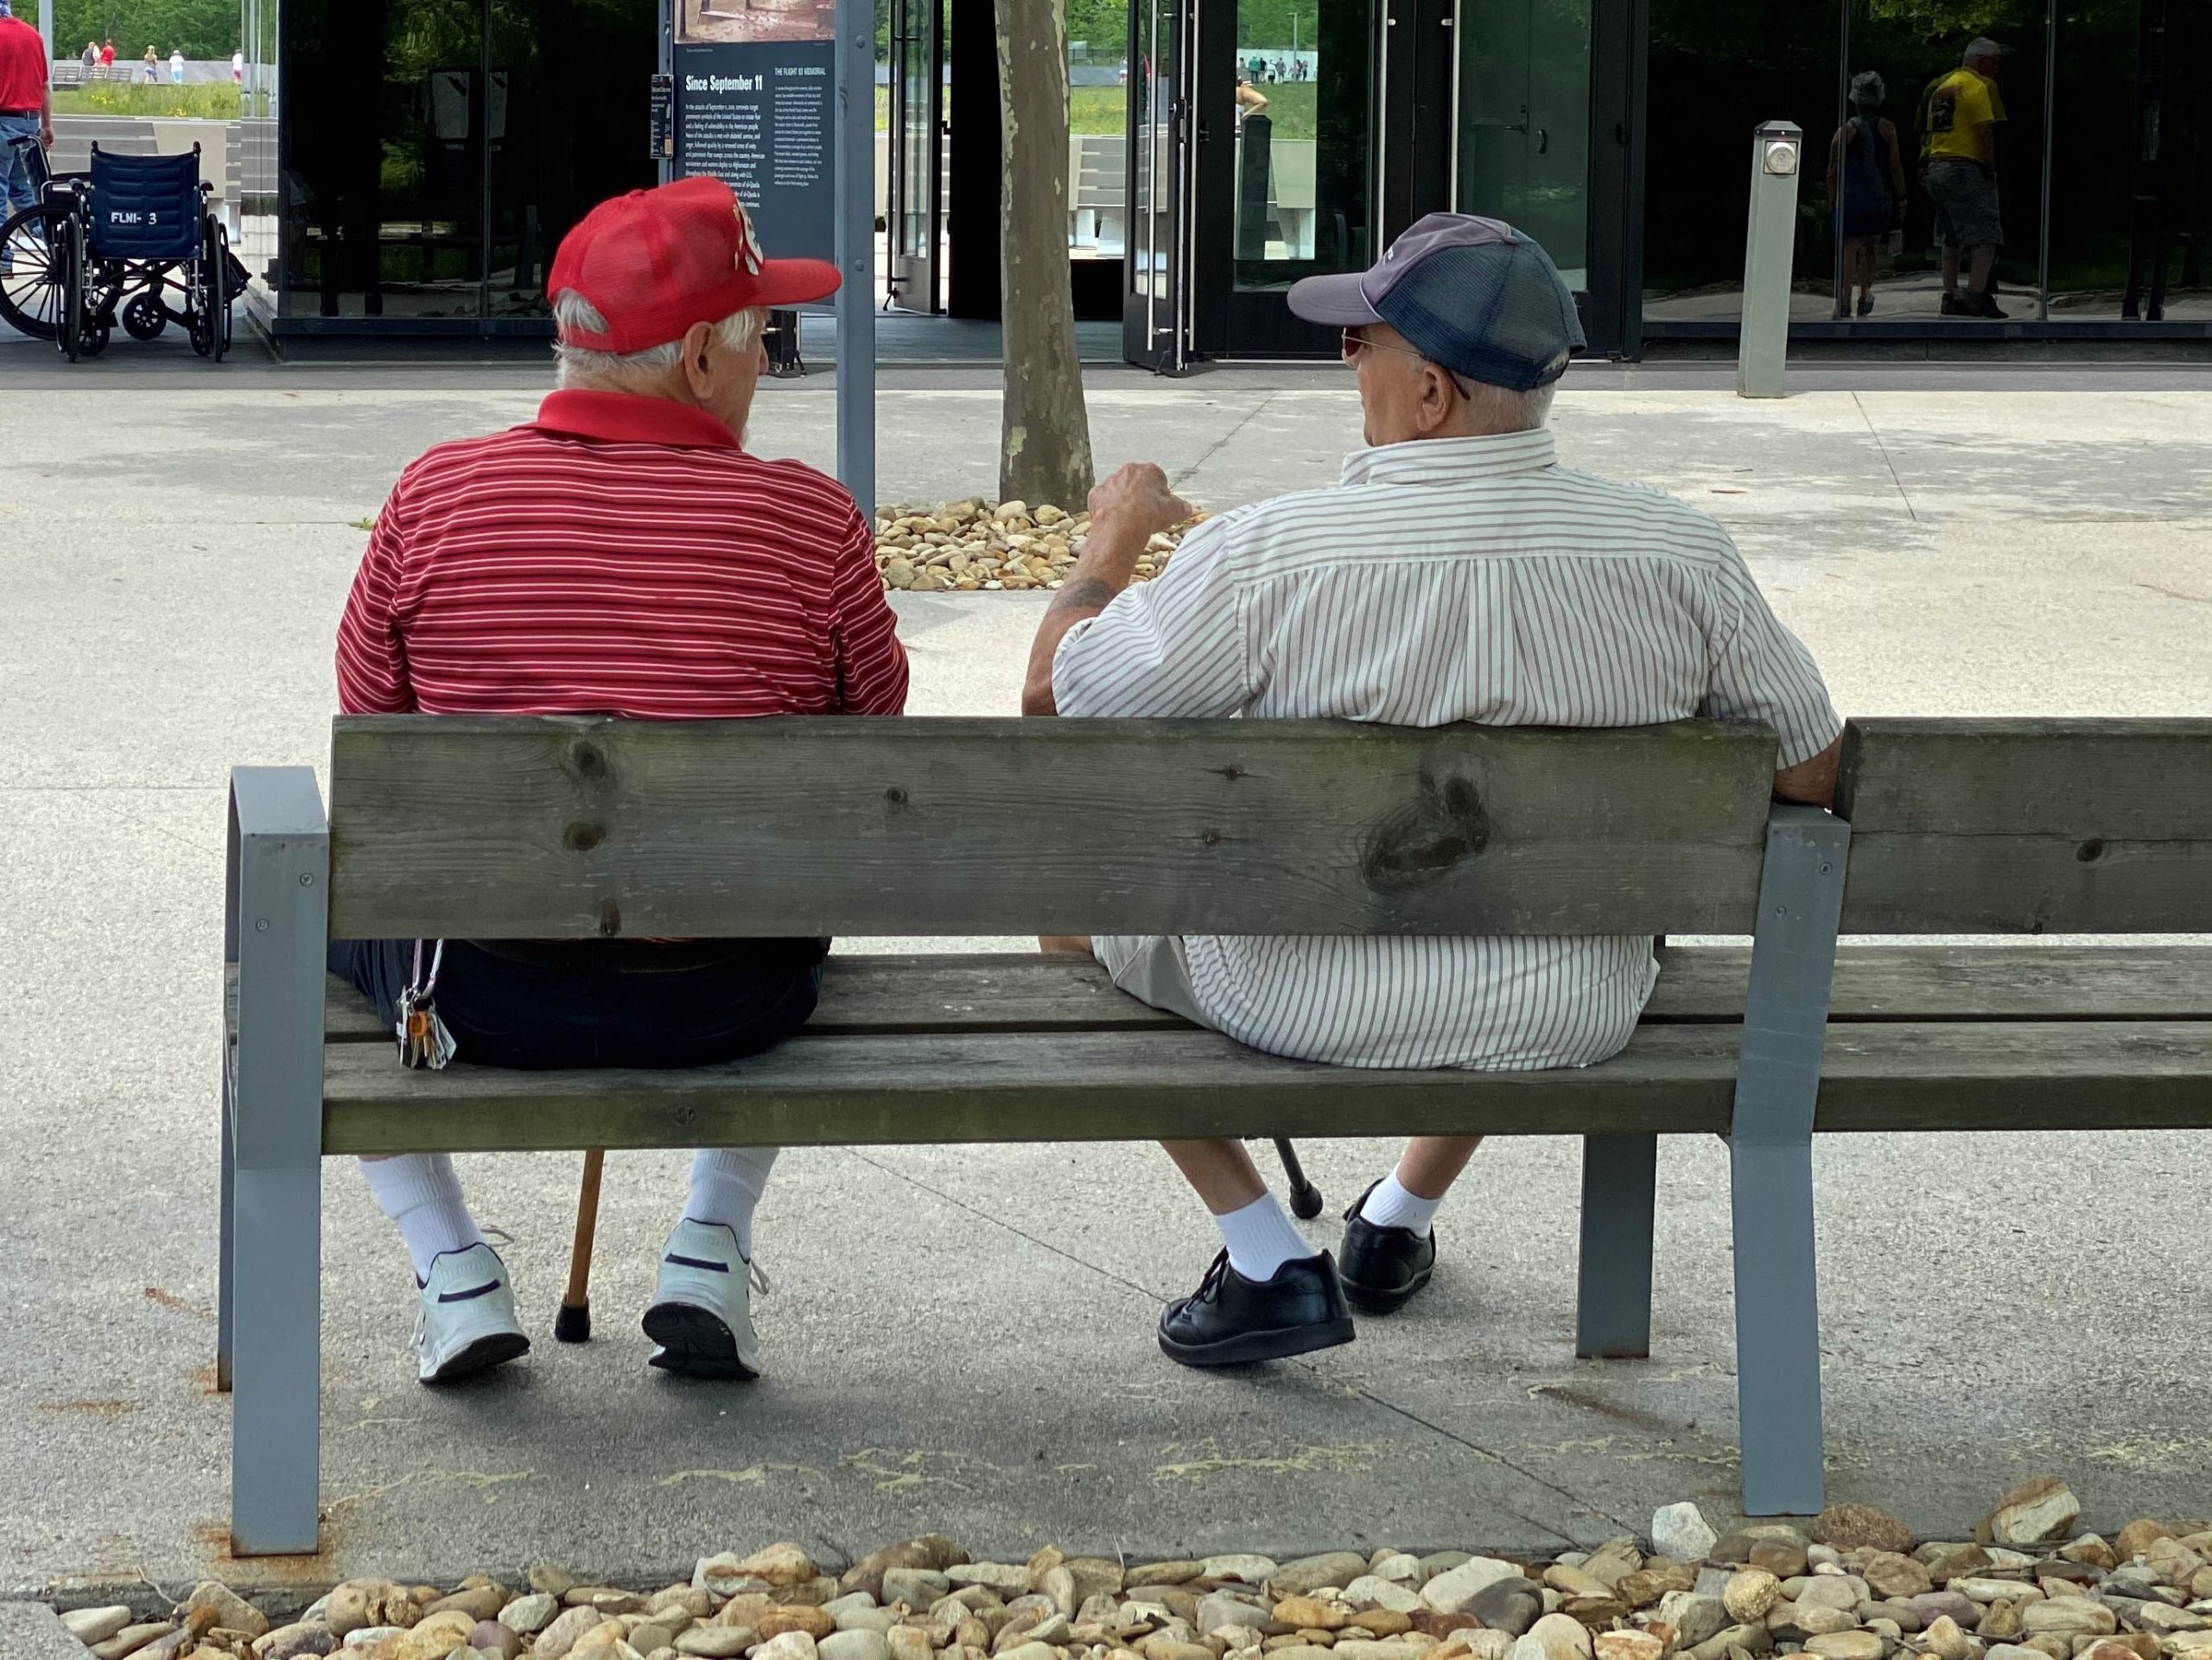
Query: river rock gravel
[[1856, 1585]]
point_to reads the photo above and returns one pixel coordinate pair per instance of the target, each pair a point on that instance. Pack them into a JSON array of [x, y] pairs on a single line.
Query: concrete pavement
[[959, 1339]]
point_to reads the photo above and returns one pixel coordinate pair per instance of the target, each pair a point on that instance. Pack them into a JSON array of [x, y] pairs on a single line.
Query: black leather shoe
[[1384, 1267], [1230, 1320]]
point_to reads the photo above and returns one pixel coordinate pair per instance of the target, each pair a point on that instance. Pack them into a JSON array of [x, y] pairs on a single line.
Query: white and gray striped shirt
[[1463, 578]]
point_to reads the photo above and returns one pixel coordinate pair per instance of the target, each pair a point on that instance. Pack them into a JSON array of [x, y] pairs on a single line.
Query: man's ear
[[1437, 397], [696, 364]]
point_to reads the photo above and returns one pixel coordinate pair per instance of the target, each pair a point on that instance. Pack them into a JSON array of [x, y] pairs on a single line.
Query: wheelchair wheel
[[219, 286], [203, 284], [30, 276], [70, 331], [143, 316]]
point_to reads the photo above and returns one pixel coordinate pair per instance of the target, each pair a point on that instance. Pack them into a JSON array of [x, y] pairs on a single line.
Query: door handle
[[1543, 140]]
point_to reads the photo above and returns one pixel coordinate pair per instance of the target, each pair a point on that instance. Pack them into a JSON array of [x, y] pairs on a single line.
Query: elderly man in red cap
[[623, 554]]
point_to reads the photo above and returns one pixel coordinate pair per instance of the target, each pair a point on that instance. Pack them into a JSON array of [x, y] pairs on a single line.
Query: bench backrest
[[576, 827], [2028, 826], [580, 827]]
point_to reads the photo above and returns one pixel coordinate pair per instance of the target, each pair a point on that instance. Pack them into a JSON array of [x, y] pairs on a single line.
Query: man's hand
[[1137, 495], [46, 134], [1126, 511]]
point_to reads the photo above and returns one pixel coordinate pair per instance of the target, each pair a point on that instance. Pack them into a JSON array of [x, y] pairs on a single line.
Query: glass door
[[1157, 280], [1522, 122], [916, 216], [1290, 148]]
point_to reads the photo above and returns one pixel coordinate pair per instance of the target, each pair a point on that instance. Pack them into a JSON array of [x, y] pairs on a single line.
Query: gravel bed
[[971, 546], [1855, 1585]]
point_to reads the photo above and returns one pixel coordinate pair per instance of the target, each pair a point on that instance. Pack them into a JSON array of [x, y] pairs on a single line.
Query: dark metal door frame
[[1161, 264], [1613, 317], [911, 281]]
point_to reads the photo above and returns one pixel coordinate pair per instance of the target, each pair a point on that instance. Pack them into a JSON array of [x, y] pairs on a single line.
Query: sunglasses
[[1353, 343]]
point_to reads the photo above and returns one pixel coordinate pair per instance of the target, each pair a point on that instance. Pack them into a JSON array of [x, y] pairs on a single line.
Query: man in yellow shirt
[[1958, 144]]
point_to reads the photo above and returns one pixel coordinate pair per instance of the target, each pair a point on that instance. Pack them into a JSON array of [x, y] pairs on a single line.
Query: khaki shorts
[[1152, 968], [1966, 205]]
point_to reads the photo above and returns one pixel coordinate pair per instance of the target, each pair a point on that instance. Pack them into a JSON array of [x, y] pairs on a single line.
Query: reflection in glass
[[1972, 140], [1718, 68], [1866, 192], [432, 158], [2132, 174], [1302, 116], [1524, 122]]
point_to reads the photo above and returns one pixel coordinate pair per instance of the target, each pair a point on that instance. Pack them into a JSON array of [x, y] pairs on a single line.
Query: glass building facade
[[426, 156], [431, 154], [2099, 187]]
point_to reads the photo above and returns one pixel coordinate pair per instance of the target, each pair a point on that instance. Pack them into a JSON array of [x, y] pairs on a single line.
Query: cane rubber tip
[[573, 1323]]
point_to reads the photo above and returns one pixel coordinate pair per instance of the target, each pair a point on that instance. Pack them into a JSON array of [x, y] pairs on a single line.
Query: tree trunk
[[1045, 433]]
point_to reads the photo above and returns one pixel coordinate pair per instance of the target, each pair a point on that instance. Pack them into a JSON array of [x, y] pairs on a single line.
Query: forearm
[[1106, 566], [1812, 782]]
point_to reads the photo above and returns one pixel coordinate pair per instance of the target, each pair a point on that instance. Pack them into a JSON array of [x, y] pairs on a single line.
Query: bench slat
[[2028, 826], [576, 827], [1004, 991], [1143, 1085]]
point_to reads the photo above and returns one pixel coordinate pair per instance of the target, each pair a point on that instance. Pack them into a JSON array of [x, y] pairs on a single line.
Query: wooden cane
[[573, 1323]]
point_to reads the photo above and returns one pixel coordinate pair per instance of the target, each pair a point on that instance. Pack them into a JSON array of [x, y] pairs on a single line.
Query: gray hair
[[578, 365], [1500, 409], [1867, 91]]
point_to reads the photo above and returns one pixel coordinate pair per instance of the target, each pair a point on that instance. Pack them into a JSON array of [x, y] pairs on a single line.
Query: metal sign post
[[1770, 248], [855, 255], [46, 30]]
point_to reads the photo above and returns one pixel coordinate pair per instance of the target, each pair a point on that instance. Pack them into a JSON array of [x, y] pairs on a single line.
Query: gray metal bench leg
[[1613, 1299], [1770, 1146], [279, 871]]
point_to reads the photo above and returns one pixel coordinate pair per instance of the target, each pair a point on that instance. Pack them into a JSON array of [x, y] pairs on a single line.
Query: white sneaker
[[702, 1312], [468, 1318]]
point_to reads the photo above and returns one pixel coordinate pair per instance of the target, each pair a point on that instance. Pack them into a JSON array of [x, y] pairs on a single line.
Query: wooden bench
[[591, 828]]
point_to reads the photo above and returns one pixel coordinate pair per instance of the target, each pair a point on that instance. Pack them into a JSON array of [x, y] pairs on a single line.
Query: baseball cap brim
[[793, 282], [1336, 301]]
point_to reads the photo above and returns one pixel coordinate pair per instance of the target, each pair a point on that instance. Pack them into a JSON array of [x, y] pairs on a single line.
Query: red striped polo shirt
[[619, 556]]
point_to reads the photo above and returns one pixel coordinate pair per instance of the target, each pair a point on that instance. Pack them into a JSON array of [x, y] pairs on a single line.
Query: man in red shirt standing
[[623, 554], [26, 106]]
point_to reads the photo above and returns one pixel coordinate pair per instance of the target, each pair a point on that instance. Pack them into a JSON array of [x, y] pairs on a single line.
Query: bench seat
[[939, 1049]]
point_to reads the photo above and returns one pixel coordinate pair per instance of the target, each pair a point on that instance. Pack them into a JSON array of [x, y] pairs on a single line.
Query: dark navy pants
[[599, 1002]]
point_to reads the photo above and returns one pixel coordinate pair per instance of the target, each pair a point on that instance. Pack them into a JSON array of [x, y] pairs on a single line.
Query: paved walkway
[[961, 1338]]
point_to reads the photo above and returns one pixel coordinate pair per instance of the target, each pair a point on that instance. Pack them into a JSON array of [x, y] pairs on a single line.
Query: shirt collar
[[630, 418], [1451, 461]]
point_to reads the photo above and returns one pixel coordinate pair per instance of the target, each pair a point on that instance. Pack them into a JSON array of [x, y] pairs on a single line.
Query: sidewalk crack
[[1871, 432], [1215, 448]]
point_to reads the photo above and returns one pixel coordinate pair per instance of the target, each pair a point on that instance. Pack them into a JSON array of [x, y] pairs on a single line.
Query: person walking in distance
[[1866, 188], [1959, 119]]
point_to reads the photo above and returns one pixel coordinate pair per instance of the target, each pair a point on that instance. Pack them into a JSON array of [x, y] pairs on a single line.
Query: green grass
[[214, 100], [1092, 110], [1097, 111]]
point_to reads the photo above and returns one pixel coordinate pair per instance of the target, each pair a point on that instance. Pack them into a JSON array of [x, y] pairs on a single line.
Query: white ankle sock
[[420, 1192], [1392, 1206], [726, 1185], [1260, 1238]]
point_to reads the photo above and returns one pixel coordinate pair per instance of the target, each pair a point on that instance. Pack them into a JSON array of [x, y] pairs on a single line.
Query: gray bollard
[[1770, 246]]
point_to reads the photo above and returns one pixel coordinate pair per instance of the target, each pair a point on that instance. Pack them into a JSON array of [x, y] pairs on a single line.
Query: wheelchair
[[133, 241]]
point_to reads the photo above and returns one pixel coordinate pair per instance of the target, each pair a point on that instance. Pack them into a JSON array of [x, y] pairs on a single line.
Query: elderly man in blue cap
[[1456, 571]]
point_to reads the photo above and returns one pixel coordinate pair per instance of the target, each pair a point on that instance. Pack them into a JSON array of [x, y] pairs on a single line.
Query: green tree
[[202, 28]]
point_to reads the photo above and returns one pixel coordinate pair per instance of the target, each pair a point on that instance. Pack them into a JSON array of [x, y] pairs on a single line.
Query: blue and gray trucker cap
[[1473, 296]]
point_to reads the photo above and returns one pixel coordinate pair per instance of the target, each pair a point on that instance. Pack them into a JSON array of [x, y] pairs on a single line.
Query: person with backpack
[[1865, 189]]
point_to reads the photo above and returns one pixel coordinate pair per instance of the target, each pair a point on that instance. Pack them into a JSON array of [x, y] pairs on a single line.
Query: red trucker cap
[[655, 262]]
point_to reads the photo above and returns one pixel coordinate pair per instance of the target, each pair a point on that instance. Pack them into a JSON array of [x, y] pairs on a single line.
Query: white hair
[[1500, 409], [577, 365]]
